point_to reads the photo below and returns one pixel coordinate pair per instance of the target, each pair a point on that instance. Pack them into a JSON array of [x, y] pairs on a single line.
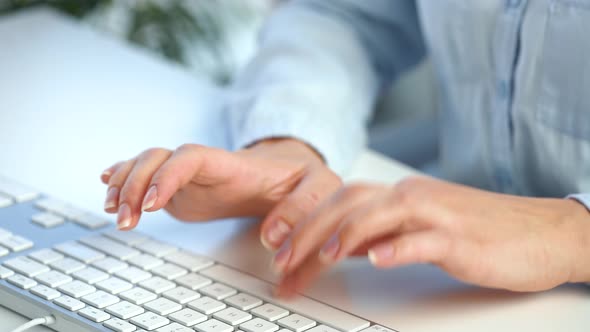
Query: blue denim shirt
[[514, 76]]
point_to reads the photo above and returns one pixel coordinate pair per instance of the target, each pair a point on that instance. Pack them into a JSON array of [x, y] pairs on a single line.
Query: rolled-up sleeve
[[320, 66], [582, 198]]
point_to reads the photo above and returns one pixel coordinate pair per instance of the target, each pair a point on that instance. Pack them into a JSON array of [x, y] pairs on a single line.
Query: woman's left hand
[[492, 240]]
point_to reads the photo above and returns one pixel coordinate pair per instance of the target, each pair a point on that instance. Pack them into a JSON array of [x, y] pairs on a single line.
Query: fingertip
[[106, 176]]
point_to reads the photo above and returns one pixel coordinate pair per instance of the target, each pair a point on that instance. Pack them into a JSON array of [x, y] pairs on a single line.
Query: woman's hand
[[281, 179], [488, 239]]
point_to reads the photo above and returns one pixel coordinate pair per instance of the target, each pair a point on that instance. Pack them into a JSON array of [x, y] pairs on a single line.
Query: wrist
[[287, 147], [581, 236]]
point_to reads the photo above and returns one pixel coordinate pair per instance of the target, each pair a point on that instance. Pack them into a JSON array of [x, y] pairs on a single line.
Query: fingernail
[[150, 198], [124, 217], [329, 252], [106, 174], [276, 235], [111, 200], [281, 259], [381, 253]]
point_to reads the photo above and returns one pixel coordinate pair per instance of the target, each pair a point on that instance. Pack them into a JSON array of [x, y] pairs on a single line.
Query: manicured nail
[[381, 253], [275, 235], [281, 259], [124, 218], [106, 174], [329, 252], [111, 200], [150, 198]]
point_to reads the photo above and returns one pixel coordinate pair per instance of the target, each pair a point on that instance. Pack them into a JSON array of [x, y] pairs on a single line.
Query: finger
[[134, 189], [410, 248], [115, 183], [308, 237], [203, 165], [300, 279], [297, 206], [105, 176], [385, 216]]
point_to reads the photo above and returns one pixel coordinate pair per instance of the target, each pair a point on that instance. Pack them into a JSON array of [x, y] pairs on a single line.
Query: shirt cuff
[[582, 198]]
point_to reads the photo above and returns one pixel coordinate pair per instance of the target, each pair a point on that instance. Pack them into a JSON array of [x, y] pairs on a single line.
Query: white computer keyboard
[[101, 279]]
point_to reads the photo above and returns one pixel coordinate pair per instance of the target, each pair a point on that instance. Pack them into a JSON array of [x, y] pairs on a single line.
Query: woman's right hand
[[281, 179]]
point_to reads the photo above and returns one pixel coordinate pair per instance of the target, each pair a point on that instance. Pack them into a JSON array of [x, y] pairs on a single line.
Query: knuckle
[[151, 153], [130, 191], [351, 191], [189, 147]]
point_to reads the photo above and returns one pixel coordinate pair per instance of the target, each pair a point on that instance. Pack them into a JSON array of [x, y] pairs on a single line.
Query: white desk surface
[[73, 100]]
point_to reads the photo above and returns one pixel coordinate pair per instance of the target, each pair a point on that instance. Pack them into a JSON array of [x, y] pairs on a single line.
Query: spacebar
[[301, 305]]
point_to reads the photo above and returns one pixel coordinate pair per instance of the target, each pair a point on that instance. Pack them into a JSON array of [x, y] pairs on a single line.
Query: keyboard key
[[53, 279], [322, 328], [156, 248], [69, 303], [133, 274], [76, 289], [296, 323], [213, 325], [218, 291], [110, 247], [157, 285], [4, 233], [5, 273], [26, 266], [47, 219], [193, 281], [79, 252], [124, 310], [16, 243], [90, 275], [4, 251], [21, 281], [91, 221], [93, 314], [189, 261], [243, 301], [16, 191], [270, 312], [145, 261], [45, 292], [188, 317], [181, 295], [46, 256], [258, 325], [127, 238], [169, 271], [119, 325], [377, 328], [114, 285], [59, 207], [162, 306], [5, 201], [315, 310], [67, 265], [175, 327], [232, 316], [109, 265], [138, 296], [206, 305], [100, 299], [150, 321]]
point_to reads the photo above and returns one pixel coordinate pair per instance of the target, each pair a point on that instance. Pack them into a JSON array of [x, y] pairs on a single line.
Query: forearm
[[317, 75]]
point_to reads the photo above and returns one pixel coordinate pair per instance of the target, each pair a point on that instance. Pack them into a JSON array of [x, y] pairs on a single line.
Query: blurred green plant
[[171, 28]]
